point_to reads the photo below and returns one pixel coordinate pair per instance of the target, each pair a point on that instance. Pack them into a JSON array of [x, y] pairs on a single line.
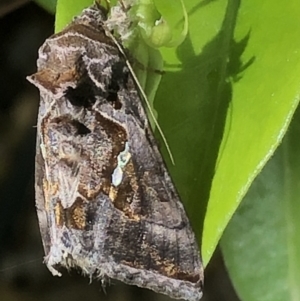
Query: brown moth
[[105, 201]]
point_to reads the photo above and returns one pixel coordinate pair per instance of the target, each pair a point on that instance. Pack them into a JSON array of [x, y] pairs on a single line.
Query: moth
[[106, 204]]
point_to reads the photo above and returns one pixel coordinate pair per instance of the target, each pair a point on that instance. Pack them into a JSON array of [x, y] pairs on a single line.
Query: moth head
[[92, 16]]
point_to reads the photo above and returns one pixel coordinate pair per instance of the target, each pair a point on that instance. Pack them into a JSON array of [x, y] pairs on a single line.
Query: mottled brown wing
[[40, 198], [105, 201]]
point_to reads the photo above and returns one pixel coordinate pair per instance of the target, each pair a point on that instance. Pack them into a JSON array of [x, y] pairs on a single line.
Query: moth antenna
[[107, 2], [123, 5], [143, 94]]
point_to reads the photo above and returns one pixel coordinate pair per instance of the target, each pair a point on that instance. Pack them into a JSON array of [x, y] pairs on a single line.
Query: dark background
[[23, 28]]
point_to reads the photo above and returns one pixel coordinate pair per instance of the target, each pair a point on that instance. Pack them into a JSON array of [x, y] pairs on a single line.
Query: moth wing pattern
[[105, 201]]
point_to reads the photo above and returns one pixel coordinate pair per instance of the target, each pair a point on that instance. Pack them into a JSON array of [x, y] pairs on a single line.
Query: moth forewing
[[106, 203]]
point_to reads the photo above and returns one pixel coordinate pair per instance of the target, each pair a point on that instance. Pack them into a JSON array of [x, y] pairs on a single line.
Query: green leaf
[[240, 64], [158, 22], [261, 244], [66, 10]]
